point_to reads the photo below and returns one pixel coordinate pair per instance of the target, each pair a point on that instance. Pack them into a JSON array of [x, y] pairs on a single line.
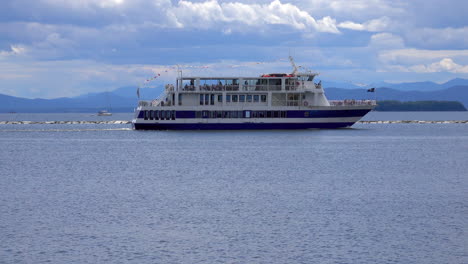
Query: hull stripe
[[237, 126], [290, 114]]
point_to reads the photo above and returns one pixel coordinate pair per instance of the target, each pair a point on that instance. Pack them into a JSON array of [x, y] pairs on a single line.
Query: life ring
[[306, 103]]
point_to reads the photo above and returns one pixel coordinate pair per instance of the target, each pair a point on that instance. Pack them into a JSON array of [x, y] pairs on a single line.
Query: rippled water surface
[[377, 193]]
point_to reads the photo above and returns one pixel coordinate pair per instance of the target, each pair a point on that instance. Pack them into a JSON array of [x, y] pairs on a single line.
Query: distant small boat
[[104, 113]]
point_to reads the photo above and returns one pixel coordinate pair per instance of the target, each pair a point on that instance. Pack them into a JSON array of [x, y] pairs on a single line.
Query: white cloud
[[358, 9], [444, 65], [374, 25], [210, 13], [418, 56], [14, 50], [386, 40]]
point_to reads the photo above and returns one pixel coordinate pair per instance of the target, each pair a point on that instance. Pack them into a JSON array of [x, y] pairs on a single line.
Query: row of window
[[246, 98], [159, 115], [171, 115], [240, 114], [209, 99]]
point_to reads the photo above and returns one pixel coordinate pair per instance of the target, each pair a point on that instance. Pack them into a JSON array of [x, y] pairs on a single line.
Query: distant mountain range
[[455, 93], [416, 86], [124, 99]]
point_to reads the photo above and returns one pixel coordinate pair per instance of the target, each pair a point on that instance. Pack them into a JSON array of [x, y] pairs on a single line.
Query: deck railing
[[235, 87], [352, 102]]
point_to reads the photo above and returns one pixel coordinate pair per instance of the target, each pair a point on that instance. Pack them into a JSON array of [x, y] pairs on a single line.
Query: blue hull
[[239, 126]]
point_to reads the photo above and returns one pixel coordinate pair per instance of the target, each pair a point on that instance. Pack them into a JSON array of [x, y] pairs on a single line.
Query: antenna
[[293, 65]]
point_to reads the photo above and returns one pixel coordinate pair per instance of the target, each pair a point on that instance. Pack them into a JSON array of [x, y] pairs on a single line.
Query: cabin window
[[268, 114], [234, 114], [151, 115], [276, 114], [156, 115], [264, 98], [249, 98], [234, 98], [261, 114], [247, 114], [205, 114], [220, 98], [274, 84], [198, 114], [242, 98], [228, 98], [180, 99], [256, 98], [207, 99], [201, 99], [146, 115], [212, 99], [226, 114], [219, 114]]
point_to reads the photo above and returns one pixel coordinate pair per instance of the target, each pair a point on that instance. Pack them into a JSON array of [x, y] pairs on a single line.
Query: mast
[[293, 65]]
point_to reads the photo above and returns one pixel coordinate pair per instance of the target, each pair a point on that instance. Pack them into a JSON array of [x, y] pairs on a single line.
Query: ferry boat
[[271, 101]]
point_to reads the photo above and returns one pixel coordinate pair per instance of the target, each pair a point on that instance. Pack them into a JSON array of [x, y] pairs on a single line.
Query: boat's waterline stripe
[[249, 120], [239, 126], [129, 122]]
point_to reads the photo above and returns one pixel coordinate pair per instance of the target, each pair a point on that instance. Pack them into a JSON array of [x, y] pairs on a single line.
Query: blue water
[[377, 193]]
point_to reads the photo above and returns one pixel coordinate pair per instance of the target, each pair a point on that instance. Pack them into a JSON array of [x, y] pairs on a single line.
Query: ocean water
[[376, 193]]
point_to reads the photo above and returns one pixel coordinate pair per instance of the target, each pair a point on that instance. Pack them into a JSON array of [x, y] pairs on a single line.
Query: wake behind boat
[[271, 101]]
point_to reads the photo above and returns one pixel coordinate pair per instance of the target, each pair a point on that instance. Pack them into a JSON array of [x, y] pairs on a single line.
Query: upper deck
[[267, 82]]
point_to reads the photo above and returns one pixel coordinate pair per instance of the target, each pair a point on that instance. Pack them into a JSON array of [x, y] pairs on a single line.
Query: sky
[[63, 48]]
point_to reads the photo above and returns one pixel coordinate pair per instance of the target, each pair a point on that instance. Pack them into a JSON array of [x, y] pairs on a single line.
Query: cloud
[[417, 56], [51, 79], [358, 9], [14, 51], [210, 14], [374, 25], [444, 65], [438, 37], [386, 41], [96, 44]]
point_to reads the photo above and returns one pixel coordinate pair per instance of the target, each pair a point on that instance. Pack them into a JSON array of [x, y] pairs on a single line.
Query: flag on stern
[[371, 90]]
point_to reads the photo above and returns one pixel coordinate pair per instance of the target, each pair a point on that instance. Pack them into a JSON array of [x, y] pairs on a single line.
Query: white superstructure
[[271, 101]]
